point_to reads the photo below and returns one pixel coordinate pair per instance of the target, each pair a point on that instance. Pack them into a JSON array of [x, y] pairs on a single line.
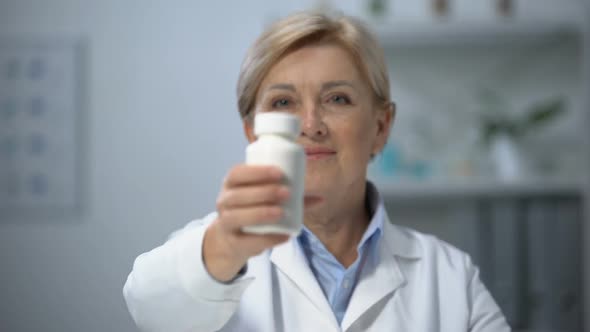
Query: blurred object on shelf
[[505, 7], [502, 131], [392, 162], [507, 158], [440, 7], [378, 8], [389, 161], [497, 120]]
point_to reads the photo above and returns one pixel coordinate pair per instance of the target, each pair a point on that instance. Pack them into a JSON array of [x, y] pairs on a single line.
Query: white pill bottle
[[276, 145]]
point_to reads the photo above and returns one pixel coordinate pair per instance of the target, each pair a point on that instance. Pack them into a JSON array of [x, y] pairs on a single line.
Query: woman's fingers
[[242, 175], [266, 194], [250, 195]]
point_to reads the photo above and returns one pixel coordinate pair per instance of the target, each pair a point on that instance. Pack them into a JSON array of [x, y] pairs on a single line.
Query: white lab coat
[[419, 284]]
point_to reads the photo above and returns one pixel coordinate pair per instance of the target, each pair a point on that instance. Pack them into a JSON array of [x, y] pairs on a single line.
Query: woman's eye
[[339, 99], [281, 103]]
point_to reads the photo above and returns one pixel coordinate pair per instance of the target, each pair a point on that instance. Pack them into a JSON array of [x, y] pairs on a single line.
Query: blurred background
[[118, 121]]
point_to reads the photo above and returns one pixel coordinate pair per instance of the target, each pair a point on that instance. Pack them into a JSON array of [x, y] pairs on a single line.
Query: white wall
[[162, 128]]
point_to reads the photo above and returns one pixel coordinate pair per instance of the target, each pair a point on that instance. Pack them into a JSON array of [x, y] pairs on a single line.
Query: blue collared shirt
[[336, 281]]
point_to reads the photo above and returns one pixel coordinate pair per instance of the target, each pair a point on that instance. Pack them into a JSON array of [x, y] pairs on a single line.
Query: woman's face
[[340, 124]]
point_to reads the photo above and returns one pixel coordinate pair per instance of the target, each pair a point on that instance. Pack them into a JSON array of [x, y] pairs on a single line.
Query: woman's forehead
[[319, 65]]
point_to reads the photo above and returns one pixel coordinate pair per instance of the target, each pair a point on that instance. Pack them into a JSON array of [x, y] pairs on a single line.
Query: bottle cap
[[276, 123]]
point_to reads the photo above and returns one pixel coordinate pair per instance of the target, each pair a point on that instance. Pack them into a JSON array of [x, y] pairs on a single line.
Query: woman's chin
[[319, 184]]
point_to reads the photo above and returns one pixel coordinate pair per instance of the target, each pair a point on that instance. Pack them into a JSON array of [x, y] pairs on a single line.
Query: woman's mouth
[[318, 153]]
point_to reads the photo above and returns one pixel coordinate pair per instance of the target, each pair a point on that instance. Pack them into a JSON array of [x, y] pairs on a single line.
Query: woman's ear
[[385, 119], [248, 123]]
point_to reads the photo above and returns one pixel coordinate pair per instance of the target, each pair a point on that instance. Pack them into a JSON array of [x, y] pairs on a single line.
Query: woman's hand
[[250, 195]]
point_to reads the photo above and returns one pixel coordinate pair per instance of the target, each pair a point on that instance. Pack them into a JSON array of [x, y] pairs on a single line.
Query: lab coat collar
[[290, 260], [383, 275], [399, 241]]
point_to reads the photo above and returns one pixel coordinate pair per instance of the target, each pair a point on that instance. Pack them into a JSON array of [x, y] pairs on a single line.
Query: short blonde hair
[[305, 28]]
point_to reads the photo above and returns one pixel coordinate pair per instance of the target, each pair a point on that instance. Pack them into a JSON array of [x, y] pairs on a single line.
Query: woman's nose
[[312, 122]]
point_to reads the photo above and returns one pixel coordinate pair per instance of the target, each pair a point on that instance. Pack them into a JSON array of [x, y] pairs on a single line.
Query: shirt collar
[[376, 210]]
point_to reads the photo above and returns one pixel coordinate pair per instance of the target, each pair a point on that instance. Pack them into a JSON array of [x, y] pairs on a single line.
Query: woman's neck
[[342, 232]]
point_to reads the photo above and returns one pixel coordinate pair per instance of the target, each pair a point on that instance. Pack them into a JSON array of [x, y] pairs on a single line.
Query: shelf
[[446, 33], [477, 188]]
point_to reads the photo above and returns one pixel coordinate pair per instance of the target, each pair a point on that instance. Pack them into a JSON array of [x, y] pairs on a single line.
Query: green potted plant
[[502, 130]]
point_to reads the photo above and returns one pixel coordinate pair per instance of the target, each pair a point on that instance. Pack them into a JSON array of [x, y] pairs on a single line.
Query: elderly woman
[[350, 269]]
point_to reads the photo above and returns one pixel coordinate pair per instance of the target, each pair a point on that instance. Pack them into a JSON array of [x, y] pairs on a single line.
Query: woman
[[350, 269]]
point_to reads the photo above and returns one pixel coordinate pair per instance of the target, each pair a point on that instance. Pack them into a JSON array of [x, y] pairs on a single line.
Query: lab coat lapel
[[382, 276], [290, 260]]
